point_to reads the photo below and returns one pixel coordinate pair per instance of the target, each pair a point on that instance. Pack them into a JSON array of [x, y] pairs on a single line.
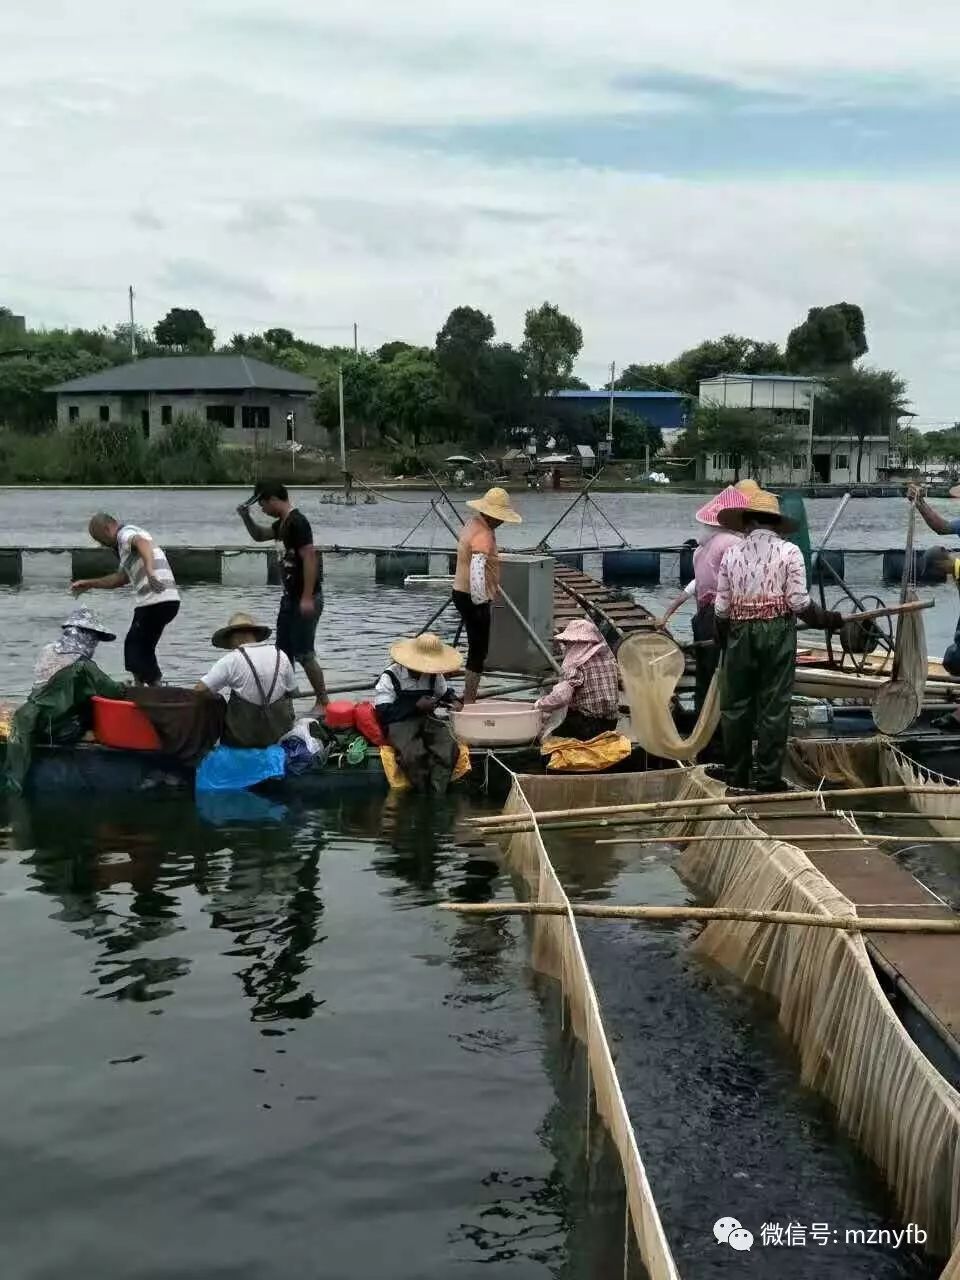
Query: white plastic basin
[[496, 722]]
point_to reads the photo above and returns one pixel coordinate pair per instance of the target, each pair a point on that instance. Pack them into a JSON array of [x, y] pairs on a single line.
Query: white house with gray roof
[[248, 398]]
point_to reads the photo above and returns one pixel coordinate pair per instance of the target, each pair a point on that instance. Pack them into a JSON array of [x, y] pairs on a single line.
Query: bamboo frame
[[700, 802], [598, 911]]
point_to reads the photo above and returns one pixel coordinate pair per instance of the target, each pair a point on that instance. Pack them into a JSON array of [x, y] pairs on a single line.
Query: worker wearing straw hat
[[257, 681], [477, 578], [712, 545], [761, 591], [406, 699]]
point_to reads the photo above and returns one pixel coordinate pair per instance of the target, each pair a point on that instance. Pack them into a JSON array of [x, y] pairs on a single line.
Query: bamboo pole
[[664, 819], [842, 837], [597, 911], [699, 802]]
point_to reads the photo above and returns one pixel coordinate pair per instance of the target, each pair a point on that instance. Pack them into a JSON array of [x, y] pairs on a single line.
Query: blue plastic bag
[[237, 768]]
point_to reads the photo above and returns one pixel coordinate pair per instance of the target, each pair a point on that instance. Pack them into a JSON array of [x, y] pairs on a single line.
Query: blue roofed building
[[667, 410]]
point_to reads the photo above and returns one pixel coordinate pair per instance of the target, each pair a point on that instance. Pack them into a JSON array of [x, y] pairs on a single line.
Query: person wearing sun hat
[[712, 546], [256, 680], [405, 699], [79, 637], [589, 689], [477, 578], [761, 591]]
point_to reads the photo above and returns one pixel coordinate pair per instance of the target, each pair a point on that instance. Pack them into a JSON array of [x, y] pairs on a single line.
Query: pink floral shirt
[[761, 577]]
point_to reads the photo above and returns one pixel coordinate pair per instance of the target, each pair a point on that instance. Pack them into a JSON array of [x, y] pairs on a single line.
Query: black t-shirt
[[295, 533]]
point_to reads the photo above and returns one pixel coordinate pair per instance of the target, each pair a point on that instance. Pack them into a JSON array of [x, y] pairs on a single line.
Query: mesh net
[[651, 665], [851, 1045], [557, 951]]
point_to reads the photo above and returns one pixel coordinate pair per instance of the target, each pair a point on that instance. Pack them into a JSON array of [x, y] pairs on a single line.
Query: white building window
[[842, 462], [799, 462], [721, 461], [884, 461]]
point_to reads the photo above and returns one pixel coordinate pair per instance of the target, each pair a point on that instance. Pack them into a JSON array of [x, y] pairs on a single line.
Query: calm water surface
[[241, 1041]]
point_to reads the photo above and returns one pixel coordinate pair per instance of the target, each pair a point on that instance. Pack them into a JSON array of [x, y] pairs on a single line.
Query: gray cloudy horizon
[[663, 177]]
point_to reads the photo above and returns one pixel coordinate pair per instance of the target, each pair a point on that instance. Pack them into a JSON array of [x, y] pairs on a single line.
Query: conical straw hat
[[426, 653], [727, 498], [760, 503], [495, 503], [239, 622]]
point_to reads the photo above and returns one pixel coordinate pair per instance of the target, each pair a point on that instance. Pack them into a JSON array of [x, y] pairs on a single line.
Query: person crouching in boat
[[79, 637], [477, 579], [58, 709], [761, 591], [712, 545], [406, 697], [257, 681], [588, 691]]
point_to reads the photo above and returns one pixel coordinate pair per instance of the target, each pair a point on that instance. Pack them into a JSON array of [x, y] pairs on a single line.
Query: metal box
[[528, 580]]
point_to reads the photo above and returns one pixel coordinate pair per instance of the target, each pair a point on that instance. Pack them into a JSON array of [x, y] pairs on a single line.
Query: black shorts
[[476, 621], [296, 635], [140, 645]]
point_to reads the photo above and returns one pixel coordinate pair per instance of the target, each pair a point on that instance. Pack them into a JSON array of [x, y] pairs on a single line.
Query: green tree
[[731, 353], [363, 380], [632, 434], [461, 346], [862, 402], [551, 343], [504, 387], [279, 338], [913, 446], [830, 339], [646, 377], [183, 329], [753, 439], [390, 350], [414, 395]]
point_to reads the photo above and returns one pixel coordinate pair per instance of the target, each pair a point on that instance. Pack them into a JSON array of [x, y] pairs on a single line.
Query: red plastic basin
[[124, 725]]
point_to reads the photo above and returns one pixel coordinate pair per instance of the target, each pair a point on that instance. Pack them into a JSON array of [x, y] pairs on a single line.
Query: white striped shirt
[[132, 565]]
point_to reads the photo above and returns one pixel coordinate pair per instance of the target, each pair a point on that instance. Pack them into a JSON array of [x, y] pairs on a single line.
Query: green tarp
[[791, 504]]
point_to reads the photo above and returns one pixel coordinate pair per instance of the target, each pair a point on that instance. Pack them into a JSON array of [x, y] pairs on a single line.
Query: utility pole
[[813, 400], [356, 349], [133, 330], [613, 375], [343, 434]]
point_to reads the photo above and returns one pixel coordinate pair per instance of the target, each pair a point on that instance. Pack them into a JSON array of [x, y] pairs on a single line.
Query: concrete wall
[[130, 409]]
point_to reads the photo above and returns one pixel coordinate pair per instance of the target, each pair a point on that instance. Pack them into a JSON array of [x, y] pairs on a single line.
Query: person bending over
[[406, 697], [143, 564]]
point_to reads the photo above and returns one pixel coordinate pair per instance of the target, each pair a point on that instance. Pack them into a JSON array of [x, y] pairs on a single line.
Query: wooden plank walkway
[[576, 594], [926, 965]]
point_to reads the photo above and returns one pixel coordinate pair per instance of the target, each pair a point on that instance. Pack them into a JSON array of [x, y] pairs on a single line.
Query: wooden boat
[[91, 767]]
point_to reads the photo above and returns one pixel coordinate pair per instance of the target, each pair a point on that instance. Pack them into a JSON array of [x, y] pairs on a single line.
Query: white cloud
[[227, 156]]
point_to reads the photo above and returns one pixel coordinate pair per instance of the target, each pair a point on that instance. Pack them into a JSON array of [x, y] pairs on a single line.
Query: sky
[[664, 176]]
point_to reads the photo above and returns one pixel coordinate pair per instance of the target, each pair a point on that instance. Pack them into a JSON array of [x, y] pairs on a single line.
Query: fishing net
[[651, 665], [872, 762], [851, 1045], [557, 951]]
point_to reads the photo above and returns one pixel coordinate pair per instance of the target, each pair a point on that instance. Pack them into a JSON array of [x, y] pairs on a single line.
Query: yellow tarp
[[592, 756], [398, 780]]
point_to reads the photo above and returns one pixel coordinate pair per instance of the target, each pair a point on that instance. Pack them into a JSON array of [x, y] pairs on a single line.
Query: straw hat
[[749, 487], [580, 631], [239, 622], [427, 654], [727, 499], [760, 503], [495, 503], [84, 619]]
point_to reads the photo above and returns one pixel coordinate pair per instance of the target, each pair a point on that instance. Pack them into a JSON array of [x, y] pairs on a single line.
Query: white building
[[791, 401]]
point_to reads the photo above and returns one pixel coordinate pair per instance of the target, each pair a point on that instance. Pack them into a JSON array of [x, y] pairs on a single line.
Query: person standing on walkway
[[301, 571], [712, 546], [761, 591], [144, 565], [477, 579]]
